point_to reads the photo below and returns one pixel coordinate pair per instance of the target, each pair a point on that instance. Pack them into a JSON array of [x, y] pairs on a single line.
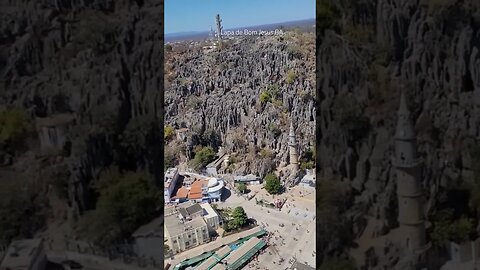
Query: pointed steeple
[[403, 109], [292, 131], [405, 129]]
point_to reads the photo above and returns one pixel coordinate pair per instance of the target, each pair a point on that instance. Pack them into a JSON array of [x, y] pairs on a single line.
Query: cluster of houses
[[191, 187]]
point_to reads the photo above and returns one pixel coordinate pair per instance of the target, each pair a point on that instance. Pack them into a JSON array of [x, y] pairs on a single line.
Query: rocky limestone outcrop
[[428, 49], [101, 61], [220, 91]]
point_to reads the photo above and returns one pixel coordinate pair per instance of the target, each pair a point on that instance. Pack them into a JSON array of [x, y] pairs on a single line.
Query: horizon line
[[235, 27]]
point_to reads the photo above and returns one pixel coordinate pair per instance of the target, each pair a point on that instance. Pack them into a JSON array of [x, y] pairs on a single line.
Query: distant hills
[[197, 35]]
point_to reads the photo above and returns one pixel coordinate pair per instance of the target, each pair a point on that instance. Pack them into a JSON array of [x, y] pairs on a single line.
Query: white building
[[211, 217], [185, 235], [309, 179], [170, 181], [249, 179], [25, 255], [215, 189]]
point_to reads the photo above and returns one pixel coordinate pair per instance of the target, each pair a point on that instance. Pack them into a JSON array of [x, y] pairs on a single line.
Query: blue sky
[[199, 15]]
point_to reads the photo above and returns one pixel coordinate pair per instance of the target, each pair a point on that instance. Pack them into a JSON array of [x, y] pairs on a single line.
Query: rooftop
[[21, 253], [248, 177], [196, 189], [182, 193], [214, 259], [309, 177], [169, 175], [190, 210], [175, 227], [210, 211], [239, 255]]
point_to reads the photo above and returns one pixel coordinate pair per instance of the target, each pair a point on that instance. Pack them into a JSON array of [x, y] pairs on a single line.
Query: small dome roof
[[212, 182]]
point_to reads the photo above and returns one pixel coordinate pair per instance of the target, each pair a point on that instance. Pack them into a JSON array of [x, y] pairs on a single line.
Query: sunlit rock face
[[221, 91]]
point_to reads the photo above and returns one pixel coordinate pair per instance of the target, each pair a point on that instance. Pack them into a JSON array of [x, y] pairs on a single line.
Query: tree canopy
[[446, 228], [203, 156], [272, 184], [14, 127], [239, 217], [242, 187], [124, 204]]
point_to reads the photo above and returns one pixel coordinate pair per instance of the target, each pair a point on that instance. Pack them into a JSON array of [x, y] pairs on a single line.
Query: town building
[[309, 179], [215, 189], [249, 179], [170, 181], [198, 191], [26, 254], [190, 212], [181, 235], [211, 217]]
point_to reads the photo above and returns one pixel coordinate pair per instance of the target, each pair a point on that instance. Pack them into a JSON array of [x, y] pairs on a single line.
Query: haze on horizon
[[198, 16]]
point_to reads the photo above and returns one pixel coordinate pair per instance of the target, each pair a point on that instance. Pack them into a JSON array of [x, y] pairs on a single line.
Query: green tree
[[121, 208], [272, 184], [276, 131], [462, 230], [446, 228], [242, 187], [265, 97], [239, 217], [14, 126], [203, 156], [168, 132], [21, 213]]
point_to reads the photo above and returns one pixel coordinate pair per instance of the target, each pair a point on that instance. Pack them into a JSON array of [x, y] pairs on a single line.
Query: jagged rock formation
[[220, 91], [428, 48], [102, 62]]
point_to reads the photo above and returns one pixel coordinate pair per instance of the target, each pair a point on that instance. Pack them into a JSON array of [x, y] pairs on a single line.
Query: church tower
[[408, 166], [292, 144]]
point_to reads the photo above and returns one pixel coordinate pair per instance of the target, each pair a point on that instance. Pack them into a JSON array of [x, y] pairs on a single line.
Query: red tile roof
[[181, 193], [196, 189]]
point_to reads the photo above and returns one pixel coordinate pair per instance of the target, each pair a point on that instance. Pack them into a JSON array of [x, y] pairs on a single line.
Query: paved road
[[295, 240]]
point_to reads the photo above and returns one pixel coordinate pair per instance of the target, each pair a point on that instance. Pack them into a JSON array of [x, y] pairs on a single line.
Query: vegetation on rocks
[[446, 228], [291, 77], [124, 204], [21, 213], [168, 133], [203, 156], [15, 126]]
